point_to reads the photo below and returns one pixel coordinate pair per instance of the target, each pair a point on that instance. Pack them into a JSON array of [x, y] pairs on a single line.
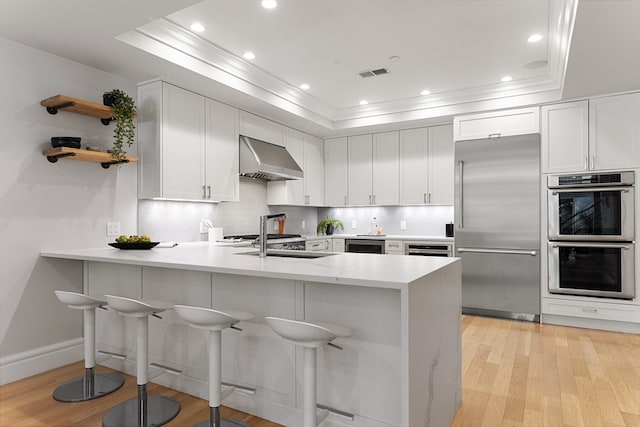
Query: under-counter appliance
[[497, 217], [428, 249], [274, 241], [591, 233], [364, 246]]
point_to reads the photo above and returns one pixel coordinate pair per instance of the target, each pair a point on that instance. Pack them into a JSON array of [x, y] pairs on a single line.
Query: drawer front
[[393, 247], [591, 310], [317, 245]]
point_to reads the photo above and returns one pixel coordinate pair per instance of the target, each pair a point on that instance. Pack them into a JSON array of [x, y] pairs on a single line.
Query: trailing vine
[[124, 110]]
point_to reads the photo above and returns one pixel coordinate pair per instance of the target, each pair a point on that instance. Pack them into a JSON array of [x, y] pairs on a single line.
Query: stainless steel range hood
[[263, 160]]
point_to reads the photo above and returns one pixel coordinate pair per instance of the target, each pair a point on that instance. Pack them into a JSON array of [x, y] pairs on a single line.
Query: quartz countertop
[[385, 237], [395, 272]]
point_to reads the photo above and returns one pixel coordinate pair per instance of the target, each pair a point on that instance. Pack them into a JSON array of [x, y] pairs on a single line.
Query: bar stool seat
[[214, 321], [310, 336], [144, 411], [91, 385]]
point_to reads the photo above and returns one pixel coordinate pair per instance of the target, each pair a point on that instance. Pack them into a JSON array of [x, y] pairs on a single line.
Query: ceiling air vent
[[372, 73]]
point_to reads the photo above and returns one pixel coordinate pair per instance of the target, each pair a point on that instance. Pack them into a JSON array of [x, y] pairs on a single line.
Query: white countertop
[[385, 237], [394, 272]]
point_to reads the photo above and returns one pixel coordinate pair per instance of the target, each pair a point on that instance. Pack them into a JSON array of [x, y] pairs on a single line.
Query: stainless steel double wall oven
[[591, 234]]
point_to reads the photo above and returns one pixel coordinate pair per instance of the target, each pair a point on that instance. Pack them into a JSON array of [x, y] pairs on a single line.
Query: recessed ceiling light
[[249, 55], [197, 27], [364, 102], [304, 86], [506, 79], [534, 38], [425, 92], [269, 4]]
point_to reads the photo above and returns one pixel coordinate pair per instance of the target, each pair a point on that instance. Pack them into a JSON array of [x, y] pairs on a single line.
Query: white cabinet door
[[183, 141], [440, 165], [335, 171], [261, 128], [360, 170], [614, 132], [565, 137], [337, 245], [313, 171], [222, 152], [497, 123], [385, 168], [413, 166]]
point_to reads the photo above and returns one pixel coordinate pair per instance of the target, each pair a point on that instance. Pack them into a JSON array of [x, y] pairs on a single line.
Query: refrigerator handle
[[460, 200], [499, 251]]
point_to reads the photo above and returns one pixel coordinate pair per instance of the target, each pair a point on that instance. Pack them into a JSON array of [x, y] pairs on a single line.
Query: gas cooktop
[[255, 236]]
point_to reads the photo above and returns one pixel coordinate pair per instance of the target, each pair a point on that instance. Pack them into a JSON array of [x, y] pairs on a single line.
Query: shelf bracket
[[54, 109], [106, 165], [54, 159], [105, 121]]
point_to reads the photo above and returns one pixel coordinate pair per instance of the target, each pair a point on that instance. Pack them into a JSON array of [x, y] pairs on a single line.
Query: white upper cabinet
[[426, 166], [565, 137], [373, 169], [307, 151], [259, 128], [497, 123], [440, 165], [614, 132], [222, 152], [184, 139], [335, 171], [599, 134]]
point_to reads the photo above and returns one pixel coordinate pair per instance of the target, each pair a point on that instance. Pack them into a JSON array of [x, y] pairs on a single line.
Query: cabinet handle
[[369, 198], [424, 197], [208, 191], [204, 191], [494, 135], [589, 310], [345, 200], [429, 197], [374, 199]]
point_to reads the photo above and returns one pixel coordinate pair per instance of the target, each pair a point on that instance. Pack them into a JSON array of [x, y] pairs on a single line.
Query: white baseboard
[[22, 365]]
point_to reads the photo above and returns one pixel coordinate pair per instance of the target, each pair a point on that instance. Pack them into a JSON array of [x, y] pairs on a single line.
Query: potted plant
[[124, 111], [328, 225]]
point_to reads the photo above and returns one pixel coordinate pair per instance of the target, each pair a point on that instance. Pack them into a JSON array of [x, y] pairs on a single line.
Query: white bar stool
[[91, 385], [144, 411], [214, 321], [310, 336]]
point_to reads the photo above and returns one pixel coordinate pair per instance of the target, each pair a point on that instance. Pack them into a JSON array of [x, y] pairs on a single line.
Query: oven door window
[[592, 213], [590, 268]]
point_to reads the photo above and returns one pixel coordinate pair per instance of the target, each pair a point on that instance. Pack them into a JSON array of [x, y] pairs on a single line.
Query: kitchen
[[69, 203]]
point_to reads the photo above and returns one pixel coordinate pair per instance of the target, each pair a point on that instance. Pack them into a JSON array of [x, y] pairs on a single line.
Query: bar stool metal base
[[215, 421], [142, 412], [91, 386]]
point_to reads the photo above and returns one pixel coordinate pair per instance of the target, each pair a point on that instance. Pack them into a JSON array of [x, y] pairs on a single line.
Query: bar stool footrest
[[160, 410], [88, 387]]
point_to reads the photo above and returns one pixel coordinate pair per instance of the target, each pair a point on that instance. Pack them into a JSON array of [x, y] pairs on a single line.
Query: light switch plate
[[403, 225], [354, 224], [113, 228]]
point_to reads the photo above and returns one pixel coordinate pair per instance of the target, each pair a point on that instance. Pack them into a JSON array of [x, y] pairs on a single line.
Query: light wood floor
[[514, 374]]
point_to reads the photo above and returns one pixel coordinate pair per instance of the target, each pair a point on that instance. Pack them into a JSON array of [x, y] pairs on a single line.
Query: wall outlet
[[303, 225], [403, 225], [113, 229], [354, 224]]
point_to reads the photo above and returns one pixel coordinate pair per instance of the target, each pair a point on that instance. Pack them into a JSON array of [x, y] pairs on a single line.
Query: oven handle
[[498, 251], [591, 245], [590, 190]]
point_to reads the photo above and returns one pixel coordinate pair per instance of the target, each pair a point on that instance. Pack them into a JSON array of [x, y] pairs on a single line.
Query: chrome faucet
[[263, 231]]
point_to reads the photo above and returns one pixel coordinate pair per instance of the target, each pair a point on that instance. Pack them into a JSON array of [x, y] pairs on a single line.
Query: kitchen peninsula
[[402, 366]]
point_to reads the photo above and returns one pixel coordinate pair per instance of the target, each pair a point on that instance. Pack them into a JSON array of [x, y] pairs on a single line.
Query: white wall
[[45, 205]]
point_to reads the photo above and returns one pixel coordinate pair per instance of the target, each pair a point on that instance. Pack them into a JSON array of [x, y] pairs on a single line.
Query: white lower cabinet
[[591, 309], [337, 245], [188, 145], [319, 245], [393, 247]]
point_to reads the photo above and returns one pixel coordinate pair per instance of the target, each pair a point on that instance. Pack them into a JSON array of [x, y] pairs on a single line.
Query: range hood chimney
[[263, 160]]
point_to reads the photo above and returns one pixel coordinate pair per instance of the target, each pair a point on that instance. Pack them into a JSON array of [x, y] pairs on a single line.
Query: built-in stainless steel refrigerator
[[497, 232]]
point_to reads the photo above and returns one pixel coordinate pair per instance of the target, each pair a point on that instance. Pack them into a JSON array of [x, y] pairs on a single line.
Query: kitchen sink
[[291, 254]]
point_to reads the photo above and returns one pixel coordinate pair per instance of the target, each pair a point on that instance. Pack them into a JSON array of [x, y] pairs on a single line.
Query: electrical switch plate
[[403, 225], [113, 228], [304, 224], [354, 224]]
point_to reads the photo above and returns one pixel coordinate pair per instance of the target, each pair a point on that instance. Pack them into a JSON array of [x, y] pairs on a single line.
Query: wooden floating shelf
[[75, 105], [101, 157]]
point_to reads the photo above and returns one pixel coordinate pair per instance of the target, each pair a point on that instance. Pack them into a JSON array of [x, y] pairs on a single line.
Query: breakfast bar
[[401, 367]]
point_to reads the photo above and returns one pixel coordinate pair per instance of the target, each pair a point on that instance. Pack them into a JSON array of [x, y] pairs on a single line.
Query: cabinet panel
[[360, 170], [413, 166], [183, 137], [260, 128], [222, 151], [614, 132], [591, 310], [440, 165], [313, 171], [335, 171], [497, 123], [337, 245], [565, 137], [385, 168]]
